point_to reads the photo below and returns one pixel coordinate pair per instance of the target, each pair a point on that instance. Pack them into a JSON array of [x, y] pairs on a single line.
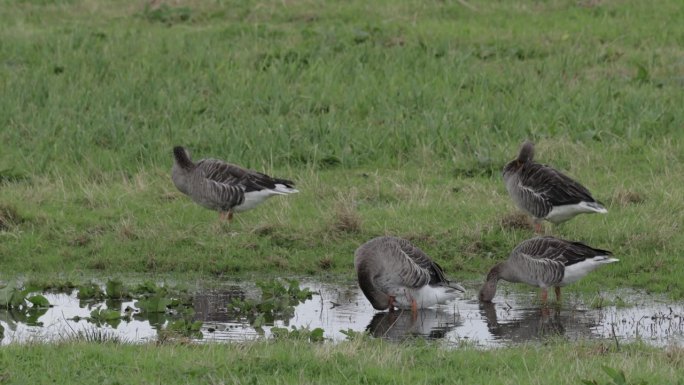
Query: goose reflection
[[212, 306], [401, 325], [536, 324]]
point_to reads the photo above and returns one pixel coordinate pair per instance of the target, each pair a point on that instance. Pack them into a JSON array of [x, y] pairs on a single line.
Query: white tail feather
[[594, 206], [605, 259], [282, 189]]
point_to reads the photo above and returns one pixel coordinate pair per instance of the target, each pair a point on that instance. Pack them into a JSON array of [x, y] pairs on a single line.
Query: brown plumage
[[544, 192]]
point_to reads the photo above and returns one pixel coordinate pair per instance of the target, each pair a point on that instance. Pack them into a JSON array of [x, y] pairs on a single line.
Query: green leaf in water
[[351, 334], [6, 296], [259, 321], [104, 314], [156, 304], [186, 328], [18, 298], [115, 289], [147, 287], [33, 314], [316, 335], [39, 301], [89, 291]]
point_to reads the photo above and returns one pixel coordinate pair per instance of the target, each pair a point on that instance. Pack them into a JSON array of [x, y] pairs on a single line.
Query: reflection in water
[[339, 307], [528, 324], [212, 306], [401, 325]]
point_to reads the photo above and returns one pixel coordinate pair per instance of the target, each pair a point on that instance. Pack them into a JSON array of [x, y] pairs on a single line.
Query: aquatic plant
[[154, 304], [353, 334], [115, 289], [186, 328], [277, 302], [100, 316], [303, 333], [12, 297], [90, 291]]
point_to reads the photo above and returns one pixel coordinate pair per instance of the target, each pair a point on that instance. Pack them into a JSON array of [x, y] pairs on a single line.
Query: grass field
[[359, 361], [393, 117]]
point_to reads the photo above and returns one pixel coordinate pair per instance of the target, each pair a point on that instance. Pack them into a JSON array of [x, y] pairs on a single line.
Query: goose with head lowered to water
[[224, 187], [393, 272], [544, 192], [545, 262]]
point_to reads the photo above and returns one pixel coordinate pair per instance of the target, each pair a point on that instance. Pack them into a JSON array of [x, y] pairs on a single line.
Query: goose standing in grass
[[544, 192], [393, 272], [545, 262], [224, 187]]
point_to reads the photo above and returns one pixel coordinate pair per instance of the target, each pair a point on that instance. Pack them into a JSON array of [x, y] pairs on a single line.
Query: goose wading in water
[[224, 187], [545, 262], [393, 272], [544, 192]]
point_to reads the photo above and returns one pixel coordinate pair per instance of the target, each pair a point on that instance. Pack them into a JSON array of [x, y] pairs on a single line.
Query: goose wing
[[537, 261], [551, 186], [418, 269], [234, 175], [559, 250]]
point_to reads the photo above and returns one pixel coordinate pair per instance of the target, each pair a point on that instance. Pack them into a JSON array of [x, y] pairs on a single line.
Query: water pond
[[341, 308]]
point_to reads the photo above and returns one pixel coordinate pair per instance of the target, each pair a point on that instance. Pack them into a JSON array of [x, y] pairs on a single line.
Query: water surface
[[512, 318]]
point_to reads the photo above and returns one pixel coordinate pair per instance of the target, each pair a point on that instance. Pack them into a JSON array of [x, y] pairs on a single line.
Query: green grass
[[358, 361], [393, 118]]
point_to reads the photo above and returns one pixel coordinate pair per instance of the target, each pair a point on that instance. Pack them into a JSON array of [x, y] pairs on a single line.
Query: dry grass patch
[[515, 221], [9, 217], [624, 198]]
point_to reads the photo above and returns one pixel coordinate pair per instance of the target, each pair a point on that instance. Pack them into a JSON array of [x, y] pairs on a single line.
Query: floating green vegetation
[[90, 291], [101, 316], [353, 334], [277, 303], [22, 304], [165, 308], [303, 333], [184, 328]]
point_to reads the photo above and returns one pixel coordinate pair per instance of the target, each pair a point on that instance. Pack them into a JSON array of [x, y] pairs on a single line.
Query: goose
[[544, 192], [224, 187], [393, 272], [545, 262]]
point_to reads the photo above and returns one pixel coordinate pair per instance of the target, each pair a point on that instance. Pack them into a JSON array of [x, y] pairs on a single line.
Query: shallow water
[[513, 318]]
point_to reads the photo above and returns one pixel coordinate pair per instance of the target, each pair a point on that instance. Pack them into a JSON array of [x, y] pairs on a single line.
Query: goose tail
[[284, 189], [605, 259], [284, 186], [596, 207], [455, 286]]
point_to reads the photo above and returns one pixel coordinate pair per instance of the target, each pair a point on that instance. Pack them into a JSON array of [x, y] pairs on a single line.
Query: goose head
[[525, 155], [182, 157], [488, 290]]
